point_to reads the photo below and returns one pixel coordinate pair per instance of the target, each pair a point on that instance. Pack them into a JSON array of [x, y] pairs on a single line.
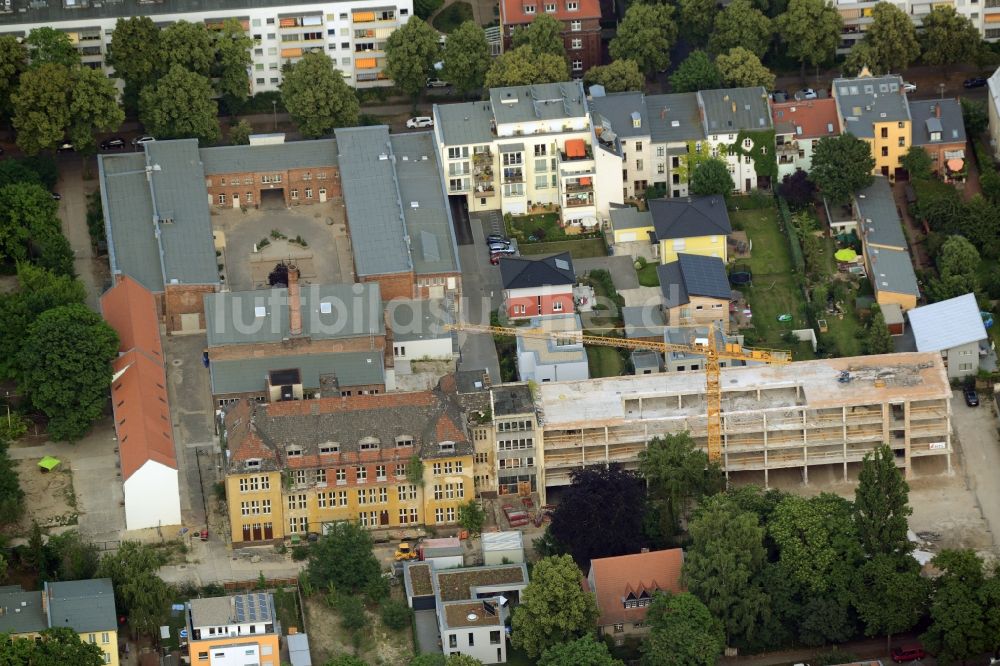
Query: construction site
[[795, 416]]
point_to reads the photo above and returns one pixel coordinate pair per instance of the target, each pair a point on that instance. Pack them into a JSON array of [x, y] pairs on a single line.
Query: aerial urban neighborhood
[[461, 332]]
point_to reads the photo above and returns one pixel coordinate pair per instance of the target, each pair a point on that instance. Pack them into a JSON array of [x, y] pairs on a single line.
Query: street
[[73, 212], [976, 431], [481, 294]]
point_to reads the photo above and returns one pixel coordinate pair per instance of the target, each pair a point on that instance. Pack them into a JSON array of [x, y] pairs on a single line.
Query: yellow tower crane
[[708, 349]]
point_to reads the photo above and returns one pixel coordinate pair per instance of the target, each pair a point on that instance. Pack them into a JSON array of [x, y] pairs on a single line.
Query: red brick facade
[[298, 186], [581, 27], [533, 306]]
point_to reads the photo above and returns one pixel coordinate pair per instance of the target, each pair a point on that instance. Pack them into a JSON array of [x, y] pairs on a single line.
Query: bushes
[[798, 261], [395, 615], [989, 178]]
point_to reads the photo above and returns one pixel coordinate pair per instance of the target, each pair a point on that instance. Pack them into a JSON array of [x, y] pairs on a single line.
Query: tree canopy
[[180, 105], [410, 53], [543, 35], [646, 35], [11, 495], [48, 46], [188, 45], [13, 61], [134, 53], [881, 505], [584, 651], [140, 593], [956, 264], [232, 50], [958, 629], [841, 165], [878, 339], [466, 57], [810, 30], [522, 66], [619, 76], [316, 96], [917, 163], [342, 559], [948, 37], [741, 24], [696, 72], [891, 38], [55, 647], [697, 19], [740, 68], [711, 176], [30, 228], [682, 633], [554, 608]]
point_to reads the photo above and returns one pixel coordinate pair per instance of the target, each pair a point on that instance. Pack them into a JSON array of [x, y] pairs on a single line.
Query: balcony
[[485, 191], [579, 201], [513, 176], [586, 154], [583, 186], [482, 159]]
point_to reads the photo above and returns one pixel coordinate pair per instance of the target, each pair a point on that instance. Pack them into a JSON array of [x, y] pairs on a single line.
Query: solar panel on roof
[[562, 264]]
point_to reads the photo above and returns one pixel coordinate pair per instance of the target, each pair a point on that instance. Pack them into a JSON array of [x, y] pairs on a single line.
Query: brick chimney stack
[[294, 302], [937, 110]]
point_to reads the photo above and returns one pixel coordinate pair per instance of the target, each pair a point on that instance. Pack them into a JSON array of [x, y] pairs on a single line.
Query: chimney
[[937, 110], [663, 113], [734, 106], [294, 302]]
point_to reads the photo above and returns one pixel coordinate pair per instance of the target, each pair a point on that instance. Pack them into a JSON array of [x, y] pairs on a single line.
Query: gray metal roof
[[22, 611], [511, 540], [630, 217], [433, 248], [645, 358], [372, 199], [54, 11], [328, 312], [674, 118], [277, 157], [879, 219], [643, 321], [861, 102], [730, 110], [692, 275], [83, 605], [249, 375], [236, 609], [464, 124], [128, 219], [298, 650], [615, 112], [947, 324], [411, 319], [543, 101], [892, 271], [950, 124], [687, 217]]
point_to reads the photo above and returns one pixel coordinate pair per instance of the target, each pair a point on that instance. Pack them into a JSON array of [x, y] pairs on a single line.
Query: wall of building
[[706, 246], [529, 370], [393, 285], [889, 150], [905, 301], [152, 497], [413, 350], [234, 651], [545, 300], [298, 186], [963, 360], [243, 498], [475, 642], [936, 153], [184, 306], [700, 311]]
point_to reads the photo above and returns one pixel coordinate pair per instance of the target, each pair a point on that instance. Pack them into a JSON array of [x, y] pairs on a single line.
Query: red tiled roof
[[130, 309], [614, 577], [142, 417], [348, 404], [814, 117], [446, 430], [512, 11]]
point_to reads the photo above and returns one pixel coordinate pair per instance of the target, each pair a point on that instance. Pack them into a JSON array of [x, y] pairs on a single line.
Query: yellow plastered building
[[681, 225], [875, 109]]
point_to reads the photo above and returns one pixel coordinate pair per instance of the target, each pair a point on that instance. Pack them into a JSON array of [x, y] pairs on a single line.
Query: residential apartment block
[[874, 108], [296, 465], [581, 27], [798, 126], [352, 33], [857, 15], [240, 629]]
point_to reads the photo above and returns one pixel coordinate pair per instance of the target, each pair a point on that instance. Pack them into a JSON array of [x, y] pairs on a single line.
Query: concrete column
[[805, 448], [764, 415], [843, 421], [907, 460]]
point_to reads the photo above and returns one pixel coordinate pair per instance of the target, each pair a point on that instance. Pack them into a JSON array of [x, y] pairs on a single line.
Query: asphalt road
[[976, 428], [481, 294]]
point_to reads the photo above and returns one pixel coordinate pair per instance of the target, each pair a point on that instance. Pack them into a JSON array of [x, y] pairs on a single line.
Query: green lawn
[[453, 16], [604, 362], [578, 249], [770, 247], [543, 226], [648, 277]]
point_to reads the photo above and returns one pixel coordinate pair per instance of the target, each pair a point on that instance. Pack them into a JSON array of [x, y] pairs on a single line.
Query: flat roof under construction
[[874, 380]]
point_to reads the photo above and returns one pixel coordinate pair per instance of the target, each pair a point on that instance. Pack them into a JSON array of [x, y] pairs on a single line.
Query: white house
[[420, 330], [555, 359], [955, 328], [993, 107], [724, 115]]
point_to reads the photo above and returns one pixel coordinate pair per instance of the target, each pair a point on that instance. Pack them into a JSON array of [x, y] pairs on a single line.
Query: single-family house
[[553, 359], [692, 225], [238, 629], [538, 287], [955, 328], [939, 129], [798, 125], [625, 585], [695, 290]]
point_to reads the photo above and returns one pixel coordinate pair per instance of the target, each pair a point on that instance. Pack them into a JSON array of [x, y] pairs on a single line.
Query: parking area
[[976, 431], [482, 293]]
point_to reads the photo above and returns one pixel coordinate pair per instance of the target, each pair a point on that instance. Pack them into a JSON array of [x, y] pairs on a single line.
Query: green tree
[[395, 614], [316, 96], [646, 35], [740, 68], [93, 108], [11, 495], [45, 87], [711, 176], [471, 516], [54, 647], [346, 660], [878, 340], [232, 52], [891, 595], [948, 37], [810, 30], [466, 57], [677, 473], [981, 223], [723, 564], [139, 591], [239, 134], [134, 54], [697, 19], [72, 557], [554, 608], [682, 633], [584, 651], [740, 24], [958, 624], [881, 505], [917, 163], [892, 39], [65, 368], [956, 264], [189, 45], [342, 559], [860, 56], [180, 106], [841, 165], [410, 53], [27, 218], [48, 46], [975, 116], [543, 35], [697, 72], [13, 61], [522, 66], [619, 76], [459, 659]]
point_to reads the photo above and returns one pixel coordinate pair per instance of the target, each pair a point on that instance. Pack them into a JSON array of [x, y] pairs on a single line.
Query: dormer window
[[253, 463], [294, 451], [368, 444], [328, 448], [447, 446], [935, 136], [404, 440]]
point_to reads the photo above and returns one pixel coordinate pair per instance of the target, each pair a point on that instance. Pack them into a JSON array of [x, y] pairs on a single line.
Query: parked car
[[497, 238], [141, 140], [806, 93], [909, 87], [420, 121], [907, 653], [65, 147], [502, 250], [498, 245], [113, 143], [974, 82], [56, 196], [437, 83], [971, 397]]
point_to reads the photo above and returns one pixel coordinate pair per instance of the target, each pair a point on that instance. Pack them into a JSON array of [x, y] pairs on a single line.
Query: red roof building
[[581, 27], [797, 126]]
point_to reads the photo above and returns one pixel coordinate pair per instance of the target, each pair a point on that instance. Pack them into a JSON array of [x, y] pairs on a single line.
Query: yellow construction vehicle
[[706, 348], [405, 551]]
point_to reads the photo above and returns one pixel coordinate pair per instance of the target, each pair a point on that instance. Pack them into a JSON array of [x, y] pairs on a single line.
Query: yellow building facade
[[890, 142], [705, 246], [875, 109]]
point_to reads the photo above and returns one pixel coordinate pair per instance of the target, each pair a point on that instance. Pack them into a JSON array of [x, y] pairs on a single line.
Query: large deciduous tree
[[522, 66], [956, 263], [892, 39], [696, 72], [584, 651], [13, 61], [60, 645], [841, 166], [619, 76], [28, 223], [180, 106], [543, 35], [646, 35], [890, 595], [49, 46], [410, 53], [740, 68], [189, 45], [554, 608], [697, 19], [740, 24], [948, 37], [466, 57], [917, 163], [232, 48], [600, 514], [316, 96], [711, 176], [134, 53], [140, 593], [810, 30], [11, 495], [93, 108], [343, 559], [881, 505], [682, 631], [958, 629]]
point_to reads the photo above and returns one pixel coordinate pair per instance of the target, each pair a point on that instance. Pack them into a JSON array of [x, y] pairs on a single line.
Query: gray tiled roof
[[950, 124], [615, 112], [279, 157], [433, 248], [730, 110], [83, 605], [674, 118], [861, 102], [892, 271], [692, 275], [371, 196], [464, 124], [249, 375], [543, 101], [425, 319], [530, 272], [877, 204], [629, 217], [687, 217], [355, 311], [128, 215], [23, 612]]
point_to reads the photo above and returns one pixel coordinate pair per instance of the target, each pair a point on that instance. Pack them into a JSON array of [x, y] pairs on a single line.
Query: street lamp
[[274, 107]]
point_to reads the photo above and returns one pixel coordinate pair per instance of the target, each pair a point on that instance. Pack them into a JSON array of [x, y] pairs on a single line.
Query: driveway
[[73, 213], [481, 294], [621, 269], [976, 428], [427, 632]]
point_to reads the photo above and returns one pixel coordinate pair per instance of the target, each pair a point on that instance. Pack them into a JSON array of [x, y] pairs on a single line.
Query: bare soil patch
[[378, 645], [48, 496]]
